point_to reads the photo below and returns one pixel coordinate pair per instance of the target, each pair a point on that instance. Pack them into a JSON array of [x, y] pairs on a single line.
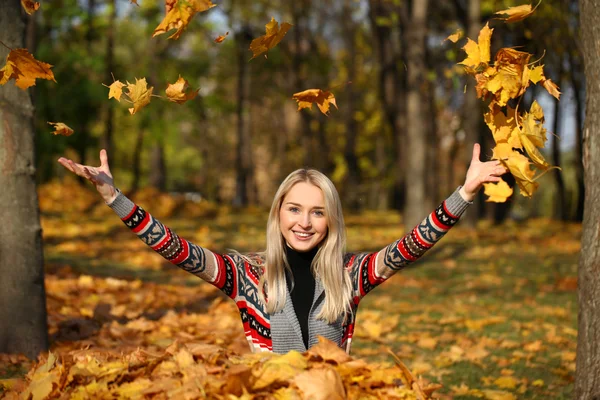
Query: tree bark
[[416, 155], [107, 138], [587, 375], [22, 294], [560, 200], [575, 69]]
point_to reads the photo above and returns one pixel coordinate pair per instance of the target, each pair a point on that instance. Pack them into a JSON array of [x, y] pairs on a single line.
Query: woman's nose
[[305, 221]]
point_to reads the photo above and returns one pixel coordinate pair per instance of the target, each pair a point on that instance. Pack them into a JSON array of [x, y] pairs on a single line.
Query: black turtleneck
[[304, 285]]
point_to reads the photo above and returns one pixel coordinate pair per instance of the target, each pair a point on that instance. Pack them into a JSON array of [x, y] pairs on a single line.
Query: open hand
[[480, 173], [99, 176]]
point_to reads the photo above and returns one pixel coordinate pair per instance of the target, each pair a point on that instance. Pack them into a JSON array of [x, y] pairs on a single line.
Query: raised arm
[[372, 269], [218, 270]]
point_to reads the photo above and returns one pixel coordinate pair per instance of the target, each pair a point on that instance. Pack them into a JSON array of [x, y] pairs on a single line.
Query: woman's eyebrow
[[300, 205]]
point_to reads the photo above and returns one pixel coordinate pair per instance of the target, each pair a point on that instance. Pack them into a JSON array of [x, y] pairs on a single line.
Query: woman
[[303, 285]]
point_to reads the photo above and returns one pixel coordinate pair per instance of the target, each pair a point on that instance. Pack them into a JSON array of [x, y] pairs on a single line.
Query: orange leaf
[[176, 91], [308, 97], [515, 14], [139, 93], [321, 384], [30, 6], [134, 2], [274, 34], [24, 69], [551, 88], [219, 39], [61, 129], [180, 14]]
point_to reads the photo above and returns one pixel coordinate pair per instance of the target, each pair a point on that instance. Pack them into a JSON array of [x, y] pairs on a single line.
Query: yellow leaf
[[455, 36], [329, 351], [279, 368], [24, 69], [538, 383], [537, 74], [179, 16], [30, 6], [500, 124], [427, 343], [505, 84], [533, 136], [321, 384], [274, 34], [506, 382], [478, 52], [306, 98], [515, 14], [498, 395], [115, 90], [61, 129], [497, 192], [551, 87], [139, 93], [176, 91]]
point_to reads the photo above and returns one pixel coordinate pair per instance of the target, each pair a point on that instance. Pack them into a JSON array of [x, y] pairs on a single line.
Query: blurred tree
[[22, 294], [587, 376]]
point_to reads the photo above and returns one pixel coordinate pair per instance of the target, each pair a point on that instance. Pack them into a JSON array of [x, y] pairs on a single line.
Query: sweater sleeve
[[369, 270], [217, 269]]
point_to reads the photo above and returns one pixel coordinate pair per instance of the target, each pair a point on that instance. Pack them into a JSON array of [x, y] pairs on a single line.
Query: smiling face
[[302, 217]]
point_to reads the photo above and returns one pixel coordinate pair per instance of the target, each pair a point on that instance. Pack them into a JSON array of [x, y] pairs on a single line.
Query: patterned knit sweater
[[240, 281]]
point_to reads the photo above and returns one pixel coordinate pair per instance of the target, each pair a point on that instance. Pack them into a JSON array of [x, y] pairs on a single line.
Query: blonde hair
[[328, 265]]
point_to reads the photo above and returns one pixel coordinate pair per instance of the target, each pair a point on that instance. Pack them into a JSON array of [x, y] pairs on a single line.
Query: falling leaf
[[274, 34], [497, 192], [220, 38], [30, 6], [21, 66], [116, 90], [537, 74], [478, 53], [134, 2], [139, 93], [176, 91], [180, 14], [515, 14], [455, 36], [61, 129], [551, 87], [308, 97]]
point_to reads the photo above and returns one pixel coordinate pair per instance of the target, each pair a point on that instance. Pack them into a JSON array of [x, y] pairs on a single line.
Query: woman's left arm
[[372, 269]]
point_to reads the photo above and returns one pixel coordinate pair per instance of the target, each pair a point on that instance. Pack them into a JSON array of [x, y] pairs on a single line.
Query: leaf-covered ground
[[488, 314]]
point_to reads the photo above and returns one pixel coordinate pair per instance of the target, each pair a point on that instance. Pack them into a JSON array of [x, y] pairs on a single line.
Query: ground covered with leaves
[[489, 313]]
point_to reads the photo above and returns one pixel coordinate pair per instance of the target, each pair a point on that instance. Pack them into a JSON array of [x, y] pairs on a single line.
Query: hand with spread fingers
[[479, 173], [99, 176]]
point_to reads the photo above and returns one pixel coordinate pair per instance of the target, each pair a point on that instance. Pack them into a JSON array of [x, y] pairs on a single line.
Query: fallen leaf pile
[[518, 135]]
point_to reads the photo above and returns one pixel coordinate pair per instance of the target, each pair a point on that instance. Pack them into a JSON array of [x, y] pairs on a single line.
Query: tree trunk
[[107, 140], [158, 165], [22, 295], [416, 154], [575, 69], [471, 116], [560, 206], [587, 375]]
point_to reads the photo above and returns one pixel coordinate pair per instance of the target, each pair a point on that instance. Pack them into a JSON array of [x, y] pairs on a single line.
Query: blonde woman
[[304, 284]]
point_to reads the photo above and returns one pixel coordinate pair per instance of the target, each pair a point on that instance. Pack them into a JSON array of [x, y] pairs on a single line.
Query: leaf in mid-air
[[308, 97], [478, 53], [180, 14], [61, 129], [497, 192], [176, 91], [551, 87], [274, 34], [116, 90], [24, 69], [220, 38], [455, 36], [30, 6], [515, 14], [139, 93]]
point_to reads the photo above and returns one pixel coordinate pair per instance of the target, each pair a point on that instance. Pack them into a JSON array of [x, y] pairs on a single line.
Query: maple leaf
[[497, 192], [220, 38], [116, 90], [502, 125], [274, 34], [139, 93], [176, 91], [455, 36], [307, 97], [24, 69], [321, 384], [533, 135], [478, 53], [30, 6], [61, 129], [180, 14], [515, 14], [551, 87], [537, 74]]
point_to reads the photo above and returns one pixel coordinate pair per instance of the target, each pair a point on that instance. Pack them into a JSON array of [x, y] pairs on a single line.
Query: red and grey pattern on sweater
[[240, 281]]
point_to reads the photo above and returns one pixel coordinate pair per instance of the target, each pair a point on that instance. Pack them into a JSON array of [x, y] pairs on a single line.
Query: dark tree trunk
[[560, 207], [137, 162], [416, 155], [587, 375], [158, 166], [107, 138], [22, 296], [575, 70]]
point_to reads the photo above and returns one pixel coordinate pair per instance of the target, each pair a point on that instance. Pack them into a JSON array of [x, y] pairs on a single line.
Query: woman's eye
[[319, 213], [294, 209]]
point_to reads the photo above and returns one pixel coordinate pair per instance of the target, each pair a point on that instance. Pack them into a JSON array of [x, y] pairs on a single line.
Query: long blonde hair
[[328, 263]]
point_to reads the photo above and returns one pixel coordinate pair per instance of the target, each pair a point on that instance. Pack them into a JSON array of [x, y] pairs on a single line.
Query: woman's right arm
[[218, 270]]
